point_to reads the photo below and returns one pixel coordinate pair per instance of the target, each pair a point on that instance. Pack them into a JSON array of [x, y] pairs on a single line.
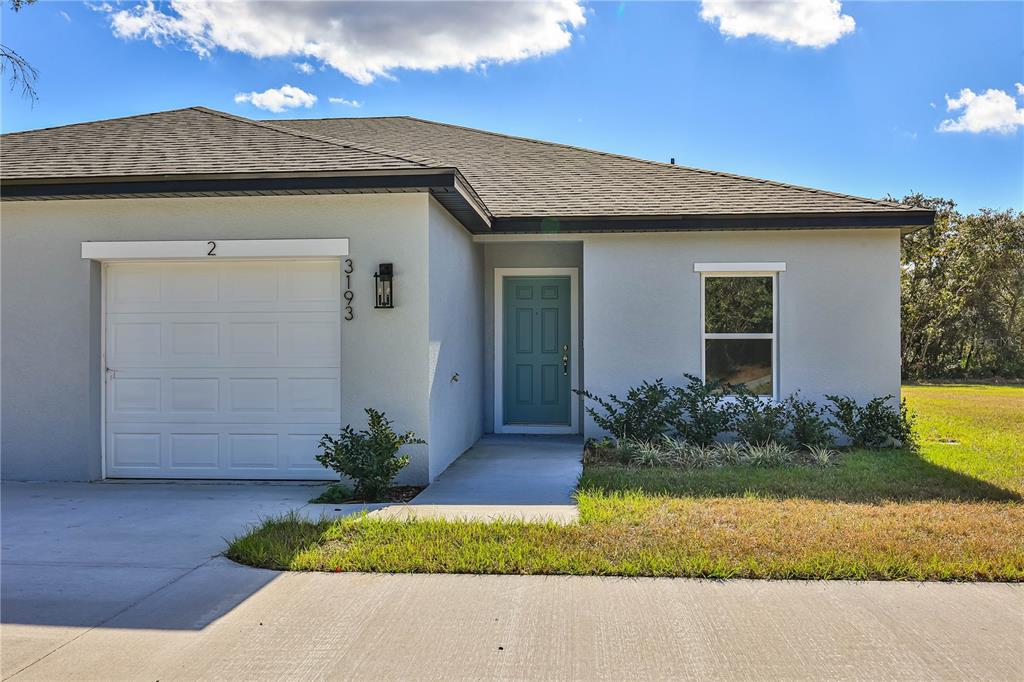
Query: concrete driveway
[[122, 581]]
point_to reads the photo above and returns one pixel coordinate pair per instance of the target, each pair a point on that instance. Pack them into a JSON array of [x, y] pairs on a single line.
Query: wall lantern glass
[[383, 281]]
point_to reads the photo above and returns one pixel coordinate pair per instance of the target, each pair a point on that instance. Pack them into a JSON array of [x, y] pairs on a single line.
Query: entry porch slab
[[520, 477]]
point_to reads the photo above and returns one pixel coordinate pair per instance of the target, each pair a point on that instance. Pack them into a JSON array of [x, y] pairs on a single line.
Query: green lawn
[[951, 512]]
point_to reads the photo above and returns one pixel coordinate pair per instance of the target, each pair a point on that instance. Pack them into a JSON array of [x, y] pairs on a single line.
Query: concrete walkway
[[528, 478], [122, 582]]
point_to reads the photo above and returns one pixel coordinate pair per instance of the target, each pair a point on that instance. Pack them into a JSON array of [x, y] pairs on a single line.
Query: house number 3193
[[348, 295]]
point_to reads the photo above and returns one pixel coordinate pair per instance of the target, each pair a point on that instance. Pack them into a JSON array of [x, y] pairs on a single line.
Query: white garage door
[[221, 370]]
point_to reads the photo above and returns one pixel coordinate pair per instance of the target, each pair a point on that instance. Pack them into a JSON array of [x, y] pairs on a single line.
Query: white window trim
[[754, 269], [499, 356], [743, 271], [220, 248]]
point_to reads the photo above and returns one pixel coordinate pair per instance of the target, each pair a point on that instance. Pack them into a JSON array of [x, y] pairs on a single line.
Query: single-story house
[[193, 294]]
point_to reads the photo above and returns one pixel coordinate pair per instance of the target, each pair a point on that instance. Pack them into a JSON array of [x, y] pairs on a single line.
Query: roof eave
[[447, 185], [903, 219]]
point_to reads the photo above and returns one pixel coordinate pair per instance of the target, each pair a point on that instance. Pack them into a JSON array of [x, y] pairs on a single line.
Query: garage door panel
[[224, 286], [221, 370], [283, 395], [229, 451], [223, 339]]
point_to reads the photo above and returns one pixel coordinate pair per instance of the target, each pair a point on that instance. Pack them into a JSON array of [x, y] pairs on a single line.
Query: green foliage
[[758, 421], [644, 414], [822, 456], [769, 453], [338, 493], [370, 457], [700, 414], [808, 424], [962, 292], [644, 454], [876, 424]]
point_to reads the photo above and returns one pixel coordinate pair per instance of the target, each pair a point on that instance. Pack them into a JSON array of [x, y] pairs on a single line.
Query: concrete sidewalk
[[458, 627], [527, 478]]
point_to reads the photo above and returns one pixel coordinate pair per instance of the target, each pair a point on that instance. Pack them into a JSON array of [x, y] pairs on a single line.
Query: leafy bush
[[369, 457], [700, 414], [876, 424], [334, 494], [604, 451], [758, 421], [644, 414], [808, 425]]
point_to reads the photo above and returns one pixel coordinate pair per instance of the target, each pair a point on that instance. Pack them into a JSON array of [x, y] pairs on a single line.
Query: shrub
[[769, 453], [369, 457], [700, 414], [702, 456], [334, 494], [644, 454], [603, 451], [676, 450], [730, 453], [821, 455], [808, 426], [758, 421], [644, 414], [876, 424]]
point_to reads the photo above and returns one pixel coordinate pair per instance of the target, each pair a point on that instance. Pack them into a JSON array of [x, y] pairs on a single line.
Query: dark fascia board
[[446, 185], [452, 191], [906, 220]]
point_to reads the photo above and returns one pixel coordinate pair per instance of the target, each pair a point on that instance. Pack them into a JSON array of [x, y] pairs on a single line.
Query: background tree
[[21, 71], [962, 297]]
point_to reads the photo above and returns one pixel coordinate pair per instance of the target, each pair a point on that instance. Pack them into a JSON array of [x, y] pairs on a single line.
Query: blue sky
[[858, 115]]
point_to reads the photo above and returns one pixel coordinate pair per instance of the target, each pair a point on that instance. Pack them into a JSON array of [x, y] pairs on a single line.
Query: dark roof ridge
[[102, 120], [334, 141], [877, 202]]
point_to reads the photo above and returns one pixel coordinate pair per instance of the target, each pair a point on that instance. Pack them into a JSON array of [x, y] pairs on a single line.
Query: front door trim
[[499, 352]]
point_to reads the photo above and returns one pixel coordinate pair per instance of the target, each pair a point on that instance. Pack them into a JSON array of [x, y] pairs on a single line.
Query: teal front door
[[537, 356]]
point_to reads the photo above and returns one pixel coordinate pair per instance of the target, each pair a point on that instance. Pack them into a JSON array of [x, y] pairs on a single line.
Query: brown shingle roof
[[515, 178], [522, 177], [192, 141]]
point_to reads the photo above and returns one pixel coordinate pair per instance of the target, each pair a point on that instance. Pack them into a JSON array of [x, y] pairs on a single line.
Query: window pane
[[738, 305], [740, 361]]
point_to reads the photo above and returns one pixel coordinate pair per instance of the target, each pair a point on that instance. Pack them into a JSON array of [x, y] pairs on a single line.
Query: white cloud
[[1020, 88], [992, 111], [806, 23], [278, 99], [354, 103], [363, 40], [304, 67], [64, 15]]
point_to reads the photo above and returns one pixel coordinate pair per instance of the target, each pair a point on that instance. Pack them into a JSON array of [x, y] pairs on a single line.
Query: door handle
[[565, 360]]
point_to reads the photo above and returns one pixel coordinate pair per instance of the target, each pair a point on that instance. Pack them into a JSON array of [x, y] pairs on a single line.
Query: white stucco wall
[[51, 374], [839, 312], [456, 336]]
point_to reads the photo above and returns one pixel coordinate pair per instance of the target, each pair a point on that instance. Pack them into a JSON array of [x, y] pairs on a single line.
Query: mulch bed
[[398, 493]]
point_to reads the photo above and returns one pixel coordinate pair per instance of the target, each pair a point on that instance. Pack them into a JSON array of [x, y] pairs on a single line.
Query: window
[[739, 326]]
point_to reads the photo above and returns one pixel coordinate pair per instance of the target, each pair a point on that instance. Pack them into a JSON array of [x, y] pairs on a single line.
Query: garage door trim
[[215, 248]]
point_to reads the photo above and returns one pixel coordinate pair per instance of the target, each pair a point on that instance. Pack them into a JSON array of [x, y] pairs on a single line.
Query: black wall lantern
[[383, 281]]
